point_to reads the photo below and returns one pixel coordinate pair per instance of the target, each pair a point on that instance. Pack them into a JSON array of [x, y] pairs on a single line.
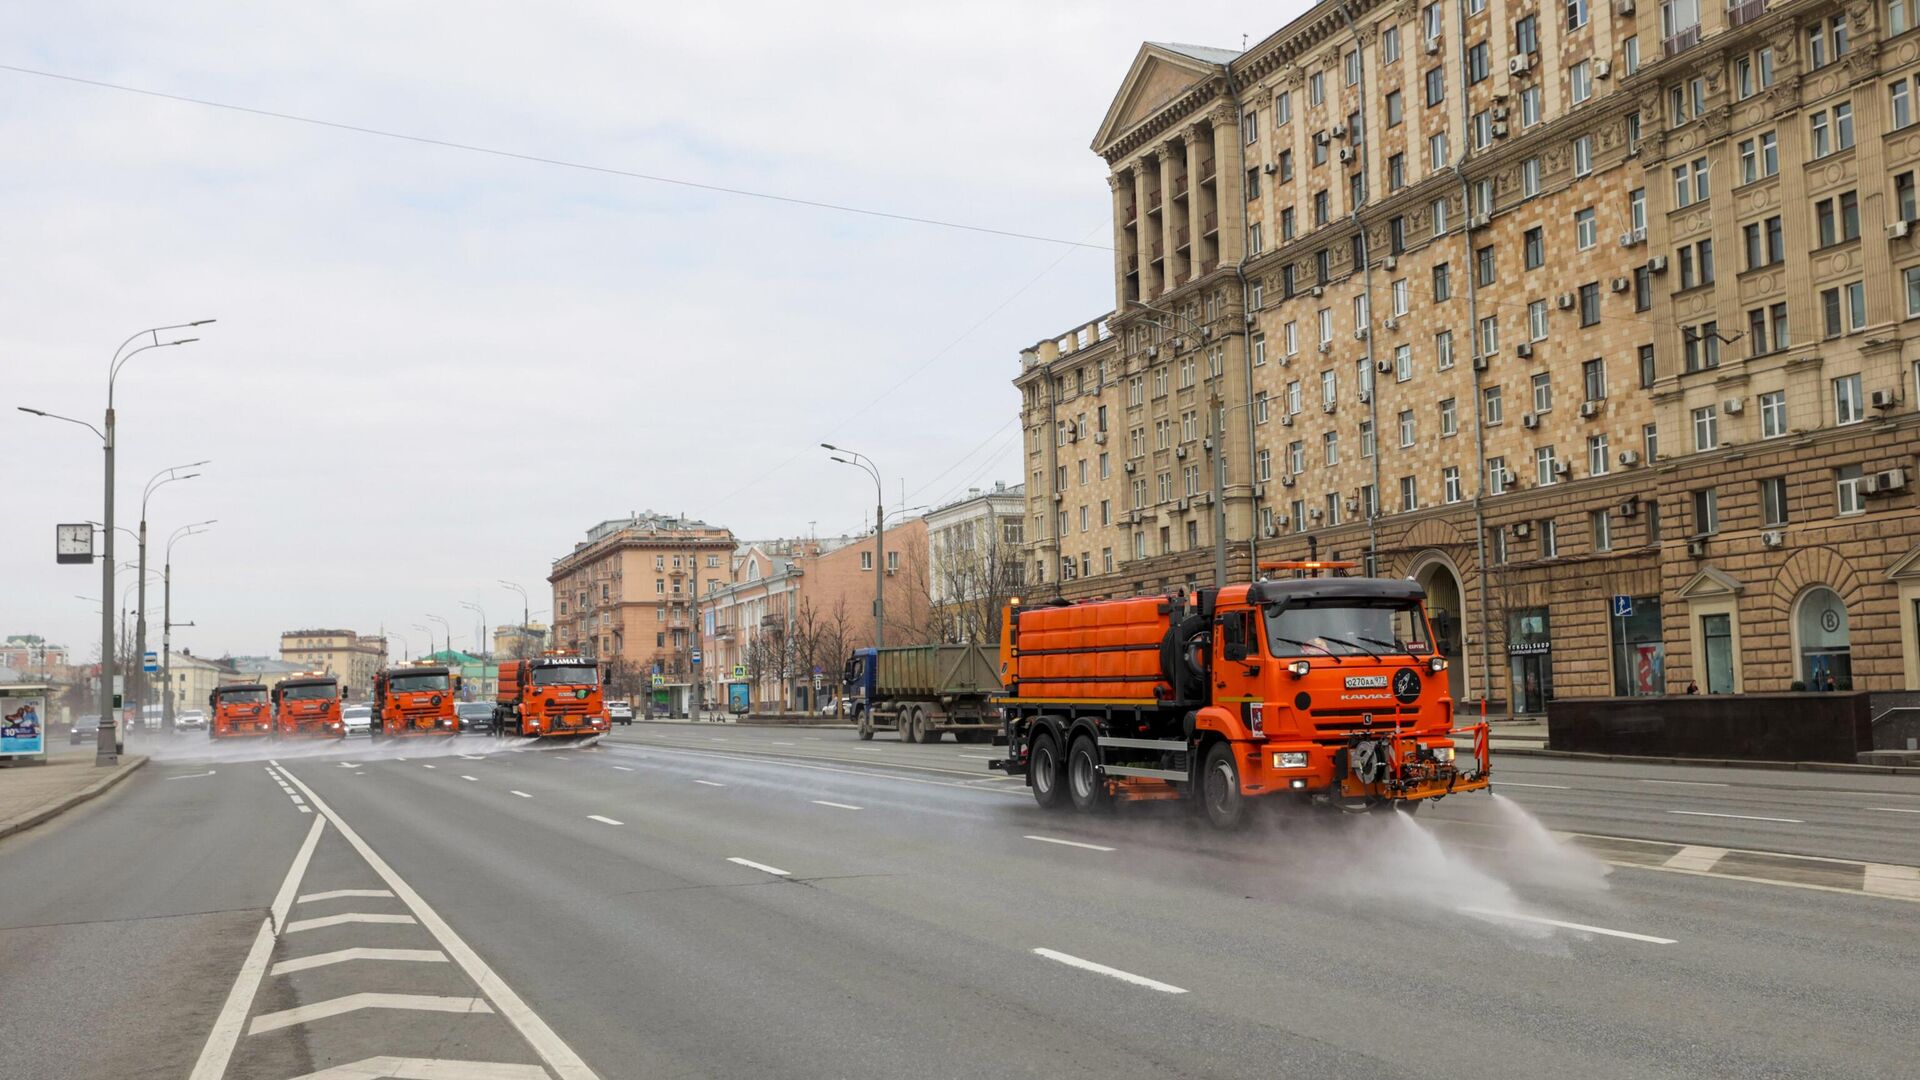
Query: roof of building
[[1207, 53]]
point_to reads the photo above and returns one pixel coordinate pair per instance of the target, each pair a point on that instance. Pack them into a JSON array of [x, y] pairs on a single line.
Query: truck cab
[[857, 682], [239, 711], [414, 700], [554, 695], [308, 707]]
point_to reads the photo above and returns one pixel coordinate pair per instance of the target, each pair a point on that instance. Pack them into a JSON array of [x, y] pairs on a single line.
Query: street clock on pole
[[73, 543]]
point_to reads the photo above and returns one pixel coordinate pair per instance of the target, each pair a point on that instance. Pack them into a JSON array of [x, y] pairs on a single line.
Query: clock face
[[74, 540]]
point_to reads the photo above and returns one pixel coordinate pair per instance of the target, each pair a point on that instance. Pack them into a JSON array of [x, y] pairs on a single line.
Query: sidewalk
[[32, 793]]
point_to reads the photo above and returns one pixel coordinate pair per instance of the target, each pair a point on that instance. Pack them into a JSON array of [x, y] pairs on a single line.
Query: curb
[[749, 722], [98, 787], [1720, 763]]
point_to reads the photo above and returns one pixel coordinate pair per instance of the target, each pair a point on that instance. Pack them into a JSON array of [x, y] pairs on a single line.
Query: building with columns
[[1597, 318]]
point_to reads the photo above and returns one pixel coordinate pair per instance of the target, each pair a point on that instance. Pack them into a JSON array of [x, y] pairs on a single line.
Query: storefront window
[[1639, 654], [1826, 657], [1716, 639], [1530, 656]]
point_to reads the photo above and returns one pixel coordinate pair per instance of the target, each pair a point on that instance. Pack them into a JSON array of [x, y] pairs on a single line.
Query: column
[[1168, 237], [1196, 201], [1229, 169], [1122, 193], [1140, 243], [1153, 280]]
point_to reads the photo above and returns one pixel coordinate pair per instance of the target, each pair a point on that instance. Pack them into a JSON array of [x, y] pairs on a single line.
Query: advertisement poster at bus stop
[[23, 727]]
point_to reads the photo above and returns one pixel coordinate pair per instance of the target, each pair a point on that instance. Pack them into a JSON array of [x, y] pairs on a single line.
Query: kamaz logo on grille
[[1366, 682]]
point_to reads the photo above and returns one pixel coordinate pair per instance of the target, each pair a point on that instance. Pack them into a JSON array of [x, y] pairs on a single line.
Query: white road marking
[[1510, 783], [344, 918], [604, 820], [399, 759], [1892, 810], [560, 1057], [1116, 973], [1695, 857], [1685, 783], [193, 775], [1583, 927], [624, 768], [837, 805], [709, 783], [283, 899], [340, 1006], [349, 764], [1067, 843], [1738, 817], [978, 757], [341, 956], [762, 867], [522, 794], [776, 742], [397, 1068], [306, 809], [1900, 881], [472, 757], [464, 776], [335, 894], [297, 800], [426, 766], [218, 1050]]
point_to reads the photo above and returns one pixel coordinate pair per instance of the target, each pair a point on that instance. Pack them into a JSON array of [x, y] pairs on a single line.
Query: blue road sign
[[152, 662], [696, 656], [1623, 607]]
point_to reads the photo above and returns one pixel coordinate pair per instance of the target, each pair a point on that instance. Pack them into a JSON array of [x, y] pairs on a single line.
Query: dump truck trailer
[[1319, 690], [554, 696], [239, 711], [924, 690], [308, 707]]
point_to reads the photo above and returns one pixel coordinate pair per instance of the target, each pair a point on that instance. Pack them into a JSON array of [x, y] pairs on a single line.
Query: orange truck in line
[[308, 707], [550, 696], [413, 701], [1317, 690], [239, 711]]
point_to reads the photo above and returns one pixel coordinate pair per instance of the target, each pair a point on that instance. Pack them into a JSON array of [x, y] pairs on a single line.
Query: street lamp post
[[160, 479], [524, 616], [446, 626], [478, 610], [861, 461], [427, 630], [166, 618]]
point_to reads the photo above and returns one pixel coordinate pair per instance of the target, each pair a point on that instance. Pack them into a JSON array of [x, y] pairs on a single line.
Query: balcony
[[1159, 252], [1133, 213], [1153, 201], [1209, 223], [1740, 14], [1206, 169], [1133, 263], [1682, 41], [1181, 238], [1179, 186]]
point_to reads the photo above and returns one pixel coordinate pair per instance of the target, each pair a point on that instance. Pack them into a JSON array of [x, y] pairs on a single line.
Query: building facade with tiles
[[1599, 319]]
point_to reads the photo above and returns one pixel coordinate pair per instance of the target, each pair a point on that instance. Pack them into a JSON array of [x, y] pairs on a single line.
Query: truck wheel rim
[[1220, 786], [1080, 770], [1043, 768]]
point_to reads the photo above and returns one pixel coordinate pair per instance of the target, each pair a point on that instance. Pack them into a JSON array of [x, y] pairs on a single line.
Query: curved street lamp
[[861, 461], [166, 615]]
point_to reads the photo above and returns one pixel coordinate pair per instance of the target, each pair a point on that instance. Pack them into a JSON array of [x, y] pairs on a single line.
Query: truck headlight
[[1441, 753], [1290, 759], [1437, 665], [1299, 668]]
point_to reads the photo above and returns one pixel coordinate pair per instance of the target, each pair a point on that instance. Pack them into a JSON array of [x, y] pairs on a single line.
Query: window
[[1597, 463], [1577, 14], [1580, 81], [1913, 295], [1489, 335], [1083, 528], [1593, 377], [1253, 184], [1431, 20], [1690, 182], [866, 560], [1409, 494], [1706, 427], [1766, 242], [1443, 350], [1648, 372], [1483, 266], [1351, 62], [1442, 287], [1491, 410], [1846, 483], [1322, 211], [1526, 35], [1832, 130], [1286, 165], [1366, 438], [1329, 387], [1439, 211], [1759, 157], [1326, 325], [1543, 466], [1397, 173], [1844, 308], [1450, 483], [1330, 448], [1846, 400], [1530, 177], [1282, 108], [1773, 501], [1706, 512], [1292, 334], [1293, 398], [1600, 523], [1696, 264], [1476, 63], [1436, 86], [1542, 392], [1390, 44], [1900, 16], [1496, 475], [1767, 329], [1534, 246], [1537, 320], [1316, 88], [1263, 467], [1826, 41], [1590, 303], [1480, 129], [1900, 101], [1586, 229], [1254, 245], [1583, 155], [1250, 127], [1773, 414], [1642, 287], [1703, 345], [1637, 212], [1286, 233], [1406, 428], [1296, 457], [1402, 363], [1437, 154], [1837, 218], [1650, 442], [1753, 73], [1630, 53], [1449, 418]]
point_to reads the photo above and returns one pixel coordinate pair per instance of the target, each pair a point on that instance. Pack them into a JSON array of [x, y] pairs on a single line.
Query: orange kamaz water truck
[[239, 711], [308, 707], [414, 700], [550, 696], [1321, 690]]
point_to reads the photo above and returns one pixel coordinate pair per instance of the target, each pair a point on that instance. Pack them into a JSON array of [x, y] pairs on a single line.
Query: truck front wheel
[[1219, 786], [1044, 771], [866, 727], [1084, 782]]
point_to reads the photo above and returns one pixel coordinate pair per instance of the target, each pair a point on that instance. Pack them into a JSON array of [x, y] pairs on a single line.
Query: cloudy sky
[[435, 368]]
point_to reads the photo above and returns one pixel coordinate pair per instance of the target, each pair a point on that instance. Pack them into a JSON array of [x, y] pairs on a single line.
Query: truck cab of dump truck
[[414, 700], [554, 695], [856, 682], [238, 711], [308, 706]]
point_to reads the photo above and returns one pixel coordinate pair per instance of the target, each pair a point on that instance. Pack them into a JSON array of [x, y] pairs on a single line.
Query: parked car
[[831, 707], [476, 717], [191, 720], [357, 719], [620, 712]]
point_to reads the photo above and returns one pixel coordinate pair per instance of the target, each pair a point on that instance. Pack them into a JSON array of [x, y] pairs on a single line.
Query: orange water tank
[[1102, 650]]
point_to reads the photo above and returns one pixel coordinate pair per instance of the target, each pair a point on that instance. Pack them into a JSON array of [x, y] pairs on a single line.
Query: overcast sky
[[434, 369]]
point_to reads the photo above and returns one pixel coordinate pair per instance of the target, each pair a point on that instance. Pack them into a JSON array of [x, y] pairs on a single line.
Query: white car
[[191, 720], [358, 719]]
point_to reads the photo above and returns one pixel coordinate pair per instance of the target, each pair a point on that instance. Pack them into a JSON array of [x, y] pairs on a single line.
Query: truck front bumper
[[1375, 768]]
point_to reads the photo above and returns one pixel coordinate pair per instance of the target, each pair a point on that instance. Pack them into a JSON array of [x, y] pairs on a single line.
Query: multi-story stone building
[[1597, 318], [353, 658], [627, 594], [976, 561]]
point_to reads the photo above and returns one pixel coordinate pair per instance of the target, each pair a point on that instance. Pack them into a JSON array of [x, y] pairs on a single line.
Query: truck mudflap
[[1398, 768]]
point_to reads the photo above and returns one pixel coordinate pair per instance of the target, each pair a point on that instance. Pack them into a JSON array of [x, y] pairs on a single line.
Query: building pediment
[[1711, 583], [1160, 74], [1906, 567]]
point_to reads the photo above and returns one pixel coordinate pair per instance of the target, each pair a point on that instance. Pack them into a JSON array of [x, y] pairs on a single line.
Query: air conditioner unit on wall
[[1530, 421], [1589, 409], [1884, 399], [1523, 350], [1621, 284], [1773, 538], [1697, 547], [1898, 230], [1733, 406], [1629, 458], [1130, 466], [1518, 65], [1885, 482], [1521, 529]]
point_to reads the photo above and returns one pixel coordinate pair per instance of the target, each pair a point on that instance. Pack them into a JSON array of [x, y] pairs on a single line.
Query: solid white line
[[762, 867], [522, 794], [335, 894], [464, 776], [1893, 810], [837, 805], [233, 1015], [1695, 857], [1067, 843], [193, 776], [624, 768], [324, 921], [399, 1068], [604, 820], [283, 899], [1684, 783], [1738, 817], [1554, 787], [340, 1006], [1123, 976], [709, 783], [560, 1057], [1583, 927], [777, 743], [341, 956]]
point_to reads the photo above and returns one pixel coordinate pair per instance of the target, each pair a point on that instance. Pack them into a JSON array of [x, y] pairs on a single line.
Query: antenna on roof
[[1243, 43]]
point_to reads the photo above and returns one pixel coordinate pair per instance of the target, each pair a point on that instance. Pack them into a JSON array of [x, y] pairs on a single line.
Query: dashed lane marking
[[1900, 881], [426, 766], [464, 776], [762, 867], [1893, 810], [1110, 972], [1510, 783], [335, 894], [1695, 857], [710, 783], [604, 820], [1685, 783], [624, 768], [1514, 916], [837, 805], [1067, 843], [347, 917], [341, 956], [340, 1006], [1738, 817], [522, 794], [398, 1068]]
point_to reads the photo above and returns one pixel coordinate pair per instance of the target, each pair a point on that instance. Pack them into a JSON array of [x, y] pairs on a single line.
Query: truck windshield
[[414, 684], [242, 697], [1346, 628], [564, 676], [313, 692]]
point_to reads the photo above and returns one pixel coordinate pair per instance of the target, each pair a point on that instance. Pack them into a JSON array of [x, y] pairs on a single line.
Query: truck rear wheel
[[1084, 783], [1219, 793], [1044, 772]]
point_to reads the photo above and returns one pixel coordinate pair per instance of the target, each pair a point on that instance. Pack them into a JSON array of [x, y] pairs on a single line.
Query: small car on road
[[357, 720], [620, 712], [476, 717], [191, 720]]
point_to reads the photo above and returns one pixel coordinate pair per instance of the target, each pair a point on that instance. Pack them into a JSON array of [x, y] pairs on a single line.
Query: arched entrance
[[1823, 650], [1446, 609]]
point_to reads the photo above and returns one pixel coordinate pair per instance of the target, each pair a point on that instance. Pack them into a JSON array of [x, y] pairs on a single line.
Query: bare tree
[[974, 577]]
